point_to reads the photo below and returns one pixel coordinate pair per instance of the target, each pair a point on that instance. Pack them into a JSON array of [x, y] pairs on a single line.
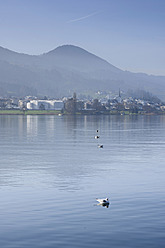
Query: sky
[[129, 34]]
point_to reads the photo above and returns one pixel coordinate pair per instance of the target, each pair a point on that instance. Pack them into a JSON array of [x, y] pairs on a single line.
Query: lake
[[52, 171]]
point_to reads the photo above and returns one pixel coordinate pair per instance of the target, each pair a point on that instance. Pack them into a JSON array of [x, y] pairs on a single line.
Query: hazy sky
[[129, 34]]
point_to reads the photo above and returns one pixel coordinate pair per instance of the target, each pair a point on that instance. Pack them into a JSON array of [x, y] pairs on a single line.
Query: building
[[45, 105]]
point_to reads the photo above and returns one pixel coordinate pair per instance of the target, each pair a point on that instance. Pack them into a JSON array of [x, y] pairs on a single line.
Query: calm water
[[51, 171]]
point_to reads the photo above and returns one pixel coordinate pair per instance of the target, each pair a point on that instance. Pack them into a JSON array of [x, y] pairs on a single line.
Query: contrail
[[84, 17]]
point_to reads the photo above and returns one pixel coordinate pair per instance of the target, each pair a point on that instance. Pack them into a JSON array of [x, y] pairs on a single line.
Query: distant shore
[[29, 112], [58, 112]]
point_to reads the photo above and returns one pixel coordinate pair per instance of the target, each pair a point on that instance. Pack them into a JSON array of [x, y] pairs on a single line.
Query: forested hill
[[66, 69]]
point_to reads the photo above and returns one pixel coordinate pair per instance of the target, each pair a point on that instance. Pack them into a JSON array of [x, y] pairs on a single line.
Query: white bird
[[97, 137], [100, 146], [103, 201]]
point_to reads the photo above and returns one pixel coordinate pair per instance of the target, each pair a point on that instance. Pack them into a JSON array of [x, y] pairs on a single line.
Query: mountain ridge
[[69, 68]]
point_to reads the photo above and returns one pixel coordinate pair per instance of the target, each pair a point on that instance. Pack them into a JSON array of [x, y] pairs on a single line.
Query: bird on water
[[103, 201], [97, 137]]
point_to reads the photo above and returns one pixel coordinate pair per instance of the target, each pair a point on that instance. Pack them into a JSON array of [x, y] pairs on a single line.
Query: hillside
[[66, 69]]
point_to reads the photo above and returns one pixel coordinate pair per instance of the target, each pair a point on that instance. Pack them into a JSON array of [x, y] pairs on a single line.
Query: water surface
[[52, 170]]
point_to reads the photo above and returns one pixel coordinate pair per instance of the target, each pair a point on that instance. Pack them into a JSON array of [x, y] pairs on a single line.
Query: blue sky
[[129, 34]]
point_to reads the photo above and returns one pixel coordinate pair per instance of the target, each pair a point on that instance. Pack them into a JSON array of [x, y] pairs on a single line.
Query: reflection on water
[[31, 123], [106, 205], [51, 170], [61, 149]]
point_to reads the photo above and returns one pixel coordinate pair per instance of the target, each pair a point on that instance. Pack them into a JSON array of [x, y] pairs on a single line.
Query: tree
[[95, 104], [42, 107], [71, 105]]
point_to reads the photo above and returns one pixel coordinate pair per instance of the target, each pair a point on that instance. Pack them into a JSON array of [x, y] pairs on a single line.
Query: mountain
[[67, 69]]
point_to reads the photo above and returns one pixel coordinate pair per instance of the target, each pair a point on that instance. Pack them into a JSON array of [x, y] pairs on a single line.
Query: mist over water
[[52, 171]]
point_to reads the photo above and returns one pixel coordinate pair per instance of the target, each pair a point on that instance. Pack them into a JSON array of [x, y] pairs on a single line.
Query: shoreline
[[59, 113]]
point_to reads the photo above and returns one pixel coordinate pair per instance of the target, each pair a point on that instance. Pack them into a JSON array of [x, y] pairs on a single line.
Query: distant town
[[102, 104]]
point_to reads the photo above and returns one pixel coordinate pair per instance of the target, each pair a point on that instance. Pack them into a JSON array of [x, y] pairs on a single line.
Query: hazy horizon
[[128, 34]]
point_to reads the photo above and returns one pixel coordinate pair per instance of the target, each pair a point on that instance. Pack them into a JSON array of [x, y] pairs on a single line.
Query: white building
[[45, 104]]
